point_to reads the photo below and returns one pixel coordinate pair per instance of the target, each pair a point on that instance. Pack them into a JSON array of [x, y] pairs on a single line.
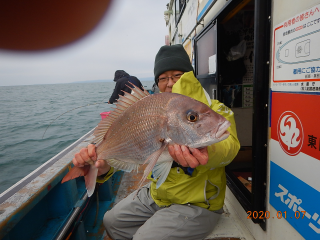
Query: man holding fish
[[185, 197]]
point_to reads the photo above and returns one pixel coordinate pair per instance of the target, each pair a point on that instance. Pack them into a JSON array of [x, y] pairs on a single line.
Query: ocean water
[[26, 112]]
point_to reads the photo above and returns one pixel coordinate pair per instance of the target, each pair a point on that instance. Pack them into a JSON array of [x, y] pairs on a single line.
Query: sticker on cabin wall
[[295, 123], [290, 133], [212, 64], [296, 53]]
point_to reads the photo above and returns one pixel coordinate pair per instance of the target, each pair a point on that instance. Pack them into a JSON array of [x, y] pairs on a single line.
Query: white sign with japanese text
[[296, 53]]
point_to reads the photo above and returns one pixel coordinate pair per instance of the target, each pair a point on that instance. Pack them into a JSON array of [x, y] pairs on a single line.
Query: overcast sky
[[127, 38]]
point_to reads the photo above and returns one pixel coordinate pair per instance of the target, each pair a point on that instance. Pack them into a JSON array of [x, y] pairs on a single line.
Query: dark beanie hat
[[120, 74], [171, 58]]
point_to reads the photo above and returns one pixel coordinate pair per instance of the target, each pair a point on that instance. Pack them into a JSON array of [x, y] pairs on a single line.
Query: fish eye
[[192, 116]]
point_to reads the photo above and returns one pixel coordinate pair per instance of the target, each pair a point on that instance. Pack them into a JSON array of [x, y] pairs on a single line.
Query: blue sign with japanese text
[[296, 201]]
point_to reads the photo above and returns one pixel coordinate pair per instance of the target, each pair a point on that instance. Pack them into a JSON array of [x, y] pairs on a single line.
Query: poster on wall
[[294, 150], [296, 53], [188, 47], [247, 98]]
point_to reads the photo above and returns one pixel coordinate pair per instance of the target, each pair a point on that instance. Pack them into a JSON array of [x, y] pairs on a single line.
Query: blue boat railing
[[40, 207]]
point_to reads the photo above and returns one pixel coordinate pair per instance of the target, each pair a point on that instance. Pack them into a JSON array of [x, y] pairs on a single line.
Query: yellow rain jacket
[[207, 184]]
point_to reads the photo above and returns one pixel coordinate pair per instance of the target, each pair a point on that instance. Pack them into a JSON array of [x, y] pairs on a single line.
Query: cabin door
[[232, 64]]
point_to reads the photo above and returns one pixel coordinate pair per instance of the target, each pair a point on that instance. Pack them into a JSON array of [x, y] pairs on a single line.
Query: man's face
[[167, 79]]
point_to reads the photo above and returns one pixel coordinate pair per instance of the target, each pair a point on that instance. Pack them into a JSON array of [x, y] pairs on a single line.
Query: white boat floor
[[229, 226]]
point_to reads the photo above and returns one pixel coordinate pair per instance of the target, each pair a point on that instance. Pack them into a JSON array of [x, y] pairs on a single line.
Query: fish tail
[[89, 172], [76, 172], [91, 179]]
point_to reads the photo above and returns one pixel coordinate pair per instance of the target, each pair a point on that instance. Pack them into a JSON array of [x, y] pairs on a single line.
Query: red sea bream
[[141, 127]]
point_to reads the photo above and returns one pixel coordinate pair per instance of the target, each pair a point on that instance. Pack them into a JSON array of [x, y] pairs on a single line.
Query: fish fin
[[103, 127], [161, 171], [91, 179], [123, 103], [152, 159], [124, 166], [76, 172], [138, 92]]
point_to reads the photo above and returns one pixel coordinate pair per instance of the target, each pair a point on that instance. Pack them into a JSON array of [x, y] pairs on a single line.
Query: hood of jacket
[[120, 74]]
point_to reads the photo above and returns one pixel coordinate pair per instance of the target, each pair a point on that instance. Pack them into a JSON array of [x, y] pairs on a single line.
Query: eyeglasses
[[174, 78]]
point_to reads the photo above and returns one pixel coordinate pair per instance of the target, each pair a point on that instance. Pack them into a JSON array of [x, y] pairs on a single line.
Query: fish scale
[[141, 133]]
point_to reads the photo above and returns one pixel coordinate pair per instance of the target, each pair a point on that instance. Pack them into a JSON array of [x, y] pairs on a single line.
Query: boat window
[[179, 7], [205, 45], [206, 49]]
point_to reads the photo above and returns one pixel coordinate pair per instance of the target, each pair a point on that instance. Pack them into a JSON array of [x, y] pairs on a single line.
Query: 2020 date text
[[280, 214]]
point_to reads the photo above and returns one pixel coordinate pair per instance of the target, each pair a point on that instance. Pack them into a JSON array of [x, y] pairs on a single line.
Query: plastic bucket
[[104, 114]]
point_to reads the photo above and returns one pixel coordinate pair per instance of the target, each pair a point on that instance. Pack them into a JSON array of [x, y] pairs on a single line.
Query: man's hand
[[188, 157], [88, 156]]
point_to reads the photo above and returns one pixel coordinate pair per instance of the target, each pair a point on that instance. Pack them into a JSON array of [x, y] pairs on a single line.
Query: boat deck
[[229, 226]]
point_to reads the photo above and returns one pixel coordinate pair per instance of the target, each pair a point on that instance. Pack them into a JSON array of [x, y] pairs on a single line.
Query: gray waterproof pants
[[140, 218]]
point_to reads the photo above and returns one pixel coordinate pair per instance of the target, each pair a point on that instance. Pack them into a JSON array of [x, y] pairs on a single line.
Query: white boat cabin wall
[[262, 59]]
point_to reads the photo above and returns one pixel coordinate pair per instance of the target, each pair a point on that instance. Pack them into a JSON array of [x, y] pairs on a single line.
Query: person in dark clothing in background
[[122, 80]]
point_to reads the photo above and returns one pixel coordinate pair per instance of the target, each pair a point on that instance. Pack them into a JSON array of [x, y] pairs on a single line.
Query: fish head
[[194, 124]]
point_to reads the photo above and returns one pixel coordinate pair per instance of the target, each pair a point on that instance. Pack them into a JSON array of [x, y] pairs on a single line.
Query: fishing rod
[[80, 107], [98, 103]]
